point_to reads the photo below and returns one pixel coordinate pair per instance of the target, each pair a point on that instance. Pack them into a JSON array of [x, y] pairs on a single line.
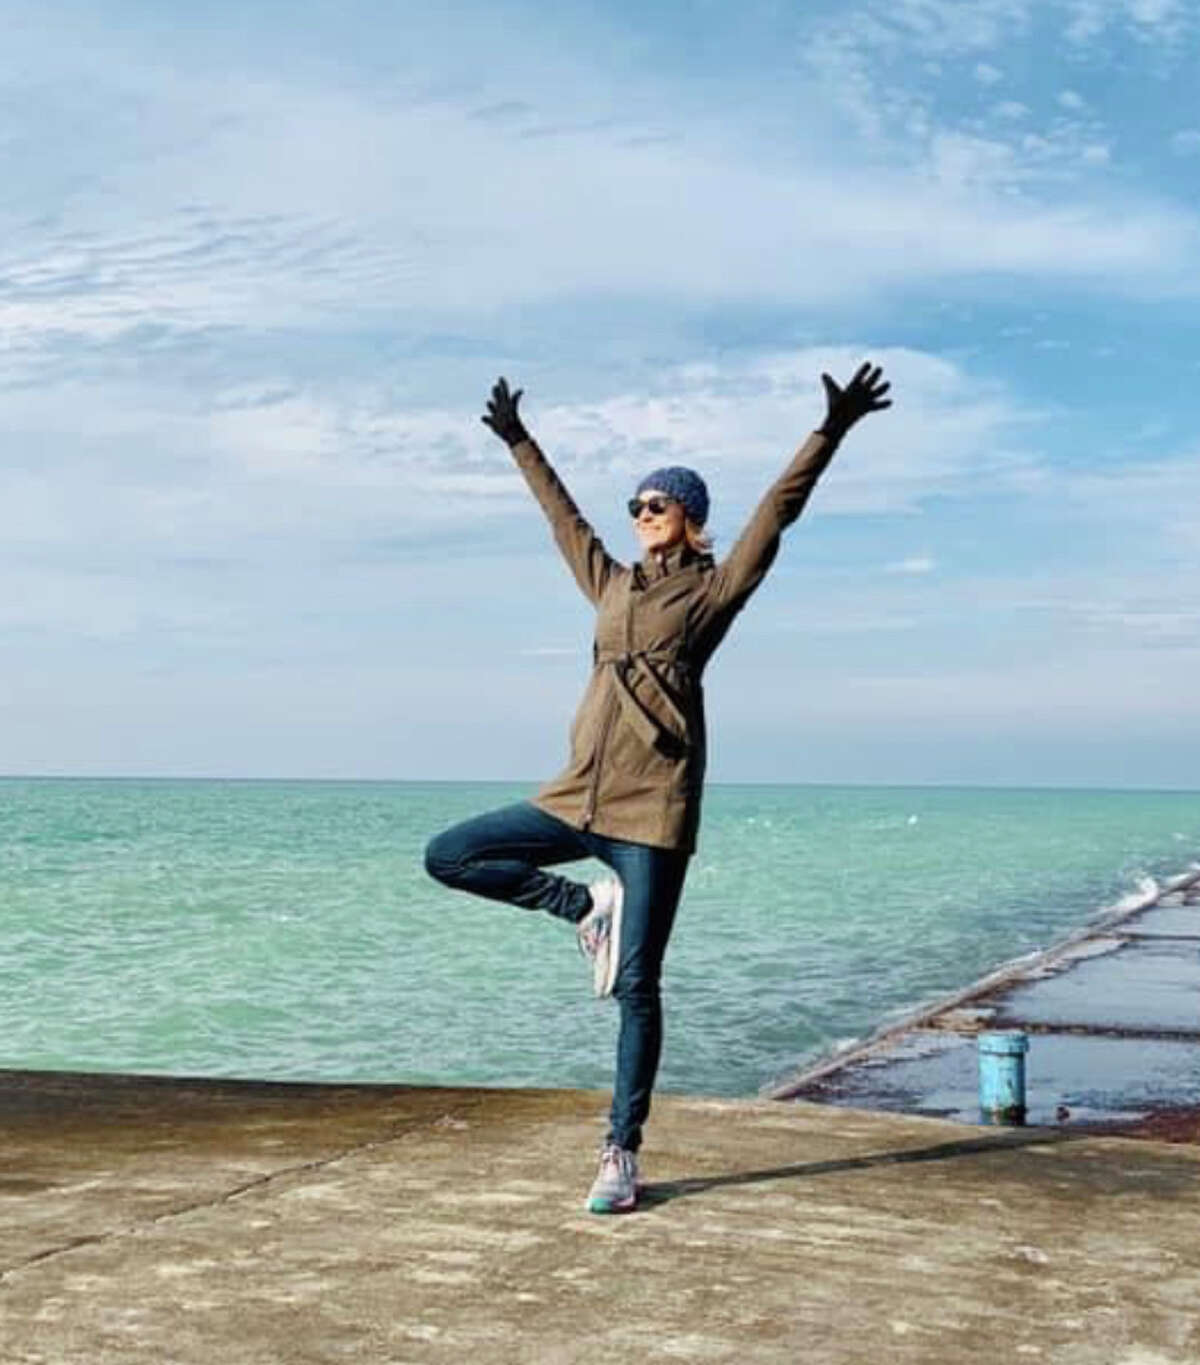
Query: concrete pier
[[1112, 1014], [174, 1222]]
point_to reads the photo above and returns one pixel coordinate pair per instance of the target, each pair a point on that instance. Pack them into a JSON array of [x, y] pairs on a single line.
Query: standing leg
[[653, 880], [501, 855]]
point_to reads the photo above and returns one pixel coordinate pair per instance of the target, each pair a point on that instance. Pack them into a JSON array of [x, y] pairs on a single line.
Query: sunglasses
[[655, 505]]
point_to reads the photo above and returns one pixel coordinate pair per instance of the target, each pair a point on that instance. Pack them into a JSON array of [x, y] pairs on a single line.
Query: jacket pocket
[[629, 752]]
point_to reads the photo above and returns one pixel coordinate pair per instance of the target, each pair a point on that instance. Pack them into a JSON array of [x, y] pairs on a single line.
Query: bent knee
[[442, 860]]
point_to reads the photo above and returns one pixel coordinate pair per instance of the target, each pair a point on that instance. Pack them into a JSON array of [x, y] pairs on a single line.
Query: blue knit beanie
[[684, 485]]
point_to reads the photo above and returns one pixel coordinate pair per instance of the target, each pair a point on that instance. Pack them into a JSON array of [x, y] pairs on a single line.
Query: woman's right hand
[[502, 415]]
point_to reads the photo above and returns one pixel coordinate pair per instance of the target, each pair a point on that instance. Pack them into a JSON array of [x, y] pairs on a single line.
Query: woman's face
[[663, 529]]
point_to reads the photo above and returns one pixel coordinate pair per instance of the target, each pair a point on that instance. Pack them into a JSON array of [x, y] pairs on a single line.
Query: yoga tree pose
[[630, 793]]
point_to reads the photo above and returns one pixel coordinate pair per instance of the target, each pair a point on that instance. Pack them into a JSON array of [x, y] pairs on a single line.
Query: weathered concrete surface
[[201, 1222], [1072, 1078]]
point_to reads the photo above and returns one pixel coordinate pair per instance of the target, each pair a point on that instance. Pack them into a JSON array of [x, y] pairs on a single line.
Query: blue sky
[[260, 263]]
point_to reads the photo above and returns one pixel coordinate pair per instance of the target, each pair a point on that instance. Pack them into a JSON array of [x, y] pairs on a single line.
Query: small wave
[[1144, 896]]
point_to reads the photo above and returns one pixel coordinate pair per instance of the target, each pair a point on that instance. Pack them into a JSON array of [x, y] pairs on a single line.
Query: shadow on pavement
[[664, 1191]]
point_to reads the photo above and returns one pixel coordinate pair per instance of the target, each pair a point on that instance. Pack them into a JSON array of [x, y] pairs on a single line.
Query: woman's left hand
[[502, 415], [862, 395]]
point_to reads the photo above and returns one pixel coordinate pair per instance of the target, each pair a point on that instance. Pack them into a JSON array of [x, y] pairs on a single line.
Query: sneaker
[[599, 934], [615, 1189]]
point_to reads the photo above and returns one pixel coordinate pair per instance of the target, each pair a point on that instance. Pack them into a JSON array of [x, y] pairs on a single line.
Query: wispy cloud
[[255, 277], [915, 564], [214, 207], [349, 462], [1021, 143]]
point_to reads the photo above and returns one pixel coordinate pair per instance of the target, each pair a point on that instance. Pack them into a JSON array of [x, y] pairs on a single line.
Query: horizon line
[[534, 783]]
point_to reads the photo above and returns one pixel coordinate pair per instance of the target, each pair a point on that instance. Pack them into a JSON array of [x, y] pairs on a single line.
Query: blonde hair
[[698, 539]]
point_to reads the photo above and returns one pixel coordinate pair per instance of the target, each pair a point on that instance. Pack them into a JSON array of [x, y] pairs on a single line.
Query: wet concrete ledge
[[153, 1220], [1112, 1013]]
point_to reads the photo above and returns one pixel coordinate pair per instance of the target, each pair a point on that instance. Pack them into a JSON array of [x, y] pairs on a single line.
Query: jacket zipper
[[589, 810]]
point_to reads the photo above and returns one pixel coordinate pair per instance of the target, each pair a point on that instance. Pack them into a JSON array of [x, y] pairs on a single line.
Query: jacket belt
[[648, 726]]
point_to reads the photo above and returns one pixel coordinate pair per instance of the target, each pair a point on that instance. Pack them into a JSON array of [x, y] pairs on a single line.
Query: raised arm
[[746, 565], [581, 547]]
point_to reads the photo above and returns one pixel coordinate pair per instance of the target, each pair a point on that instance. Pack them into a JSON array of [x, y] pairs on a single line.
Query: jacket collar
[[655, 567]]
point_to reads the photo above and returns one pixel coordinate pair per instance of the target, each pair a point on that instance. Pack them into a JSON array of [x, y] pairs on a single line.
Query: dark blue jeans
[[503, 854]]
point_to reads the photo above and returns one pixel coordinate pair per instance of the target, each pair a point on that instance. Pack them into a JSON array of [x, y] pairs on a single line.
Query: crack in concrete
[[223, 1197], [1044, 1027]]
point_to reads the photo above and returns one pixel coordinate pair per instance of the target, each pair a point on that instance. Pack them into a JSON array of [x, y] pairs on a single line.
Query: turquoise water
[[287, 929]]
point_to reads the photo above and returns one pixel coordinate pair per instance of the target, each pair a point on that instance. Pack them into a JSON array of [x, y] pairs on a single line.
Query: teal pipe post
[[1002, 1077]]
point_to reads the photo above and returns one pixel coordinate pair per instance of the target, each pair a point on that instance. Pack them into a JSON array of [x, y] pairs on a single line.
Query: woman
[[630, 793]]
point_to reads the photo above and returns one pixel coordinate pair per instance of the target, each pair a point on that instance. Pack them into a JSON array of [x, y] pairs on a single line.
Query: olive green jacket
[[636, 768]]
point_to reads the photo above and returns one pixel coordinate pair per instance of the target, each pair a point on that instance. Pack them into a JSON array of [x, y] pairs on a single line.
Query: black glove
[[502, 415], [863, 394]]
